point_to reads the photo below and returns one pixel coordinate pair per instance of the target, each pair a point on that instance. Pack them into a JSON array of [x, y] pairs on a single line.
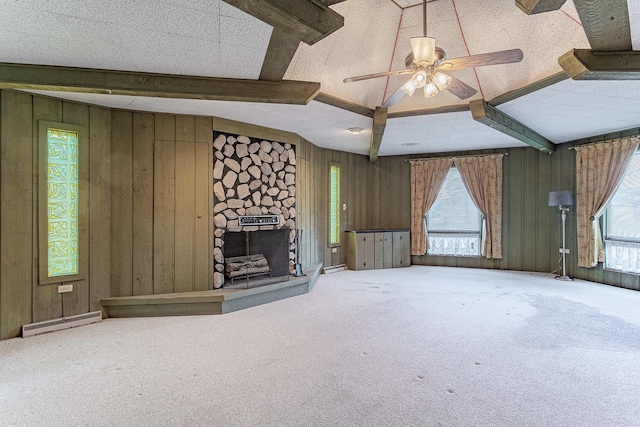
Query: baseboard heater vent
[[334, 268], [60, 324]]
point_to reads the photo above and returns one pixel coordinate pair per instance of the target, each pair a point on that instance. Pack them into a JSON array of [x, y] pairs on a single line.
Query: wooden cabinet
[[371, 249]]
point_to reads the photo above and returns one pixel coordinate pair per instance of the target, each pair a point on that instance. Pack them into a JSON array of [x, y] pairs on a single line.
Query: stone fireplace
[[253, 178]]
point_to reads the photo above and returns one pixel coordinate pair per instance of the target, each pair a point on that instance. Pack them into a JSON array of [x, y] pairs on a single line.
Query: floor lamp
[[562, 199]]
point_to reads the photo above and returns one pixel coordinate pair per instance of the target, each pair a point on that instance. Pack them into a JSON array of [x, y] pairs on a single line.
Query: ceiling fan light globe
[[419, 79], [441, 80], [409, 88], [431, 90]]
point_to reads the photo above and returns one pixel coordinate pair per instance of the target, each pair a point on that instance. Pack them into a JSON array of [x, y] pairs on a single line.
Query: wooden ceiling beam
[[530, 88], [379, 123], [344, 104], [532, 7], [585, 64], [488, 115], [282, 47], [606, 24], [308, 20], [44, 77]]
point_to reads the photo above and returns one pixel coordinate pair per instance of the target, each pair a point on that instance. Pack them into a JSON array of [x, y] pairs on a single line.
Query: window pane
[[334, 219], [62, 202], [623, 215], [453, 210]]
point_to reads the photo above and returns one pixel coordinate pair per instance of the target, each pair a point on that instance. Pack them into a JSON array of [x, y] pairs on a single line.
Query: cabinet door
[[387, 257], [369, 250], [379, 250], [400, 244], [406, 248], [361, 241], [350, 242]]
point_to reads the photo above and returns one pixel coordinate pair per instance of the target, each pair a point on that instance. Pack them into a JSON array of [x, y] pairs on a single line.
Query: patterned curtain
[[427, 177], [599, 170], [482, 176]]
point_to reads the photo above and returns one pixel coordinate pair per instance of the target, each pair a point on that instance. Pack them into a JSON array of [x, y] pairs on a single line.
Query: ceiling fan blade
[[376, 75], [460, 88], [424, 49], [492, 58], [393, 99]]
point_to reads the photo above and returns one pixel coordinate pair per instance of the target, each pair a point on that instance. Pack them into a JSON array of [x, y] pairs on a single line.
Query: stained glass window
[[334, 215], [62, 202]]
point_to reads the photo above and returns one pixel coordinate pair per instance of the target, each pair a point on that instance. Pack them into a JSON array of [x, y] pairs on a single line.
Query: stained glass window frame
[[334, 206], [80, 166]]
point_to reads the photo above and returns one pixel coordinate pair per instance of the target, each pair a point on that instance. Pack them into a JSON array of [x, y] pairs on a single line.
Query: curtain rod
[[454, 157], [603, 141]]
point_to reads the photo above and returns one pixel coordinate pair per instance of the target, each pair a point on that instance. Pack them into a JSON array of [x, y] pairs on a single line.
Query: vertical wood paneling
[[99, 206], [121, 203], [185, 215], [47, 302], [529, 215], [164, 205], [376, 195], [352, 205], [77, 302], [385, 186], [202, 232], [142, 232], [516, 208], [16, 204], [543, 218]]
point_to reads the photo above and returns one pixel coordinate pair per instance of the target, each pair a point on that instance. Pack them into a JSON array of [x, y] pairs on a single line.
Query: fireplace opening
[[272, 244]]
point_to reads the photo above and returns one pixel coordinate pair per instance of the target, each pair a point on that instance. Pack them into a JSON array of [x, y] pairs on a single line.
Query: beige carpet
[[420, 346]]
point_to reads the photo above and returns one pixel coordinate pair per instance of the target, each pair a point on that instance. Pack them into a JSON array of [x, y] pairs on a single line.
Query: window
[[62, 221], [453, 222], [334, 204], [622, 244]]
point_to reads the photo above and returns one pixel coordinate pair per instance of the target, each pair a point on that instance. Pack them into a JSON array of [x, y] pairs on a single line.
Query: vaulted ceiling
[[281, 64]]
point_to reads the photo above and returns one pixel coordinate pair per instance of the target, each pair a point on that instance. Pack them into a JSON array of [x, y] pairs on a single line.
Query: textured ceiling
[[211, 38]]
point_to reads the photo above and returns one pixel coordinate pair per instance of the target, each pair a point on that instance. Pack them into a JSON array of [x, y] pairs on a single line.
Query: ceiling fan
[[427, 63]]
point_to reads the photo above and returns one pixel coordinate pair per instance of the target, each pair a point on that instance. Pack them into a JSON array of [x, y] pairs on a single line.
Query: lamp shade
[[560, 198]]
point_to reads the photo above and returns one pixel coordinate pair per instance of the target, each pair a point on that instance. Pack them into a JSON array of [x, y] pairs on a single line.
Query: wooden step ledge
[[218, 301]]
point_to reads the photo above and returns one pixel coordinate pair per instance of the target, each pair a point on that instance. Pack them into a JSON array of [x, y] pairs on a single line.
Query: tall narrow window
[[622, 244], [334, 204], [454, 223], [62, 228]]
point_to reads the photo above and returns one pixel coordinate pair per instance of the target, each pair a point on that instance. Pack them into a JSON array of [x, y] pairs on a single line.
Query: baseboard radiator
[[60, 324]]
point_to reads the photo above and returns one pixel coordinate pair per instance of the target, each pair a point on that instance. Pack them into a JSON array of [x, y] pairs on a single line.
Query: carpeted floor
[[420, 346]]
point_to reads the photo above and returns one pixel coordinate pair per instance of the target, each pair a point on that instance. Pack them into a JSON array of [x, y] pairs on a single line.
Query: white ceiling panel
[[578, 109], [440, 133], [634, 20], [176, 37]]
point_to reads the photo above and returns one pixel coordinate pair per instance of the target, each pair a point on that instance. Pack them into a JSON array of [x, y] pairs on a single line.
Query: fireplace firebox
[[272, 244]]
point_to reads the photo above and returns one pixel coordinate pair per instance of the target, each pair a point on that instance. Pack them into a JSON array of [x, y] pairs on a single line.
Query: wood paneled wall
[[150, 196], [161, 168], [532, 231], [22, 299]]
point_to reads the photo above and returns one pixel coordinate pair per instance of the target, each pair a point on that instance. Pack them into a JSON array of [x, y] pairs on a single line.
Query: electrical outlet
[[334, 250], [65, 288], [344, 206], [566, 251]]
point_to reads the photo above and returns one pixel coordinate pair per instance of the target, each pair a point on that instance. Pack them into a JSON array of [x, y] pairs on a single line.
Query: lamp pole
[[564, 276]]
